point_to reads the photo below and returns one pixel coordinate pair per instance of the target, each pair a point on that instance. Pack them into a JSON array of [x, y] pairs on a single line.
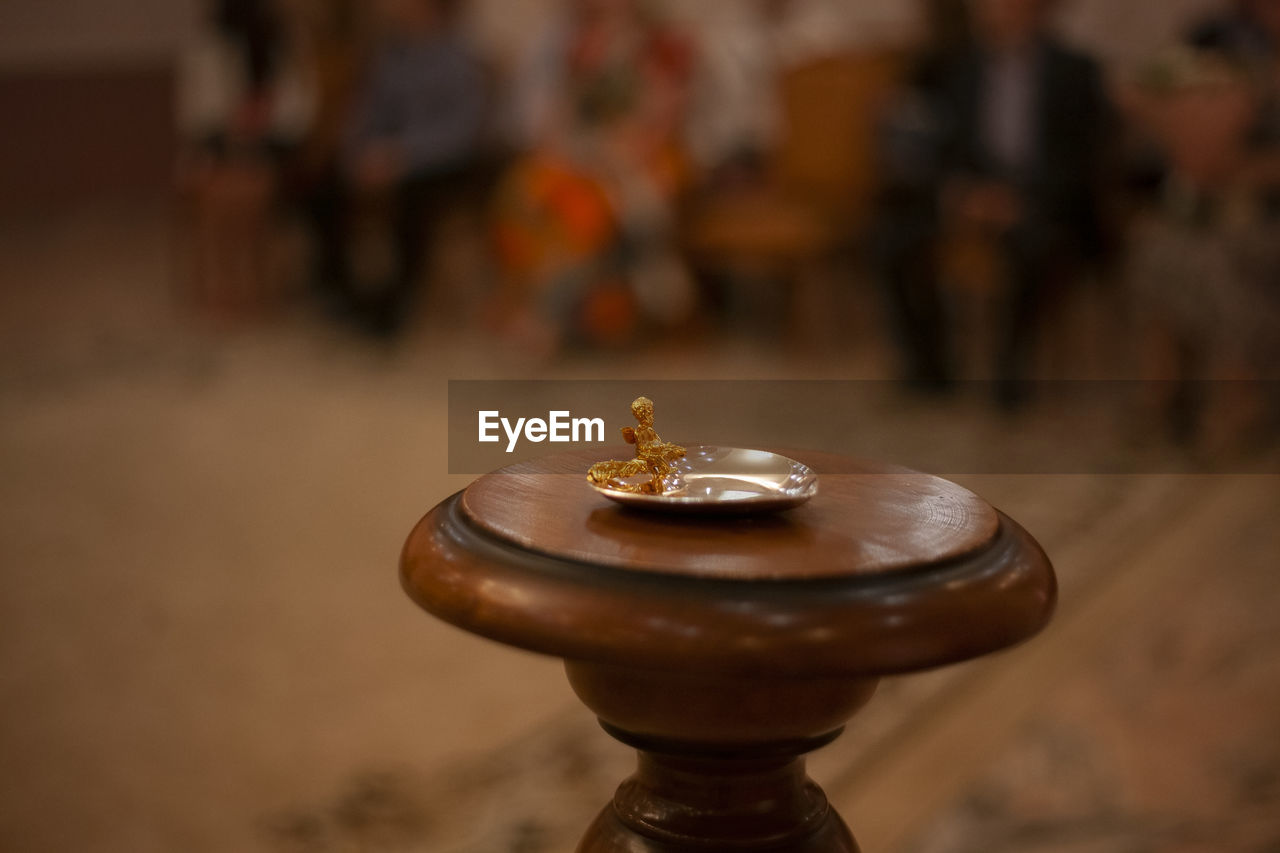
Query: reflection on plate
[[712, 479]]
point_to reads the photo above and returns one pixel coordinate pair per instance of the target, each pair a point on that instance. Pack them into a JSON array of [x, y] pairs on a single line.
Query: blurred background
[[245, 244]]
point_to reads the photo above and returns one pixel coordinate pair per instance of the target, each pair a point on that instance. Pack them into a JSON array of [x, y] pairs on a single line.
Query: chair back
[[831, 107]]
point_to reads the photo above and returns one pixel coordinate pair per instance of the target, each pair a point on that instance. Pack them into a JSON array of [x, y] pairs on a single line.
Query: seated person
[[584, 217], [1015, 124], [1205, 265], [413, 134]]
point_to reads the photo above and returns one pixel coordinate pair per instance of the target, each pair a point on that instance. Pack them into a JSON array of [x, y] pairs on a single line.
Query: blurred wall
[[76, 135], [86, 87], [1121, 33], [65, 34], [86, 91]]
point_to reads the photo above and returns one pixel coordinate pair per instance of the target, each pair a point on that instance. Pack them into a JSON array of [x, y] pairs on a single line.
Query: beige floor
[[201, 617], [200, 624]]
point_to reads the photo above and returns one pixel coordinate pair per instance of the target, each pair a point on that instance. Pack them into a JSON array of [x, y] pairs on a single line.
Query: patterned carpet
[[1162, 738], [1166, 738]]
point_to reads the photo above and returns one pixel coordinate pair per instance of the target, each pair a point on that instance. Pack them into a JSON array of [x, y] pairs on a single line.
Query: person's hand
[[1206, 132], [193, 170], [984, 204], [379, 165], [629, 435], [252, 118], [1261, 171]]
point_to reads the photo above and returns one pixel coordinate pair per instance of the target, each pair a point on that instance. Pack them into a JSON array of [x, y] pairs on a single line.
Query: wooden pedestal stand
[[724, 649]]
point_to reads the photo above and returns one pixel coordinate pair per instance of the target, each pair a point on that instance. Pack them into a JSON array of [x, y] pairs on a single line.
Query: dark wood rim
[[699, 749], [859, 626]]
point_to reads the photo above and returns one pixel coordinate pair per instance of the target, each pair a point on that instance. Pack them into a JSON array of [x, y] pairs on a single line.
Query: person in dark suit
[[1009, 130]]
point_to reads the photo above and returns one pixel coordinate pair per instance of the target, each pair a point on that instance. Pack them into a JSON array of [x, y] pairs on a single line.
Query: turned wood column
[[724, 649]]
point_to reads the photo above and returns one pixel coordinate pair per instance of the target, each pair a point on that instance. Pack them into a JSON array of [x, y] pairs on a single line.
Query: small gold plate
[[721, 480]]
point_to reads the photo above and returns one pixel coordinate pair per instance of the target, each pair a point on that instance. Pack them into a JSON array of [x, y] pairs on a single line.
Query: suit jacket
[[1069, 129]]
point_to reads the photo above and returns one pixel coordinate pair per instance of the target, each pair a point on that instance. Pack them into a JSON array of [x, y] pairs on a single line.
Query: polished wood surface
[[865, 624], [867, 518], [724, 649], [676, 803]]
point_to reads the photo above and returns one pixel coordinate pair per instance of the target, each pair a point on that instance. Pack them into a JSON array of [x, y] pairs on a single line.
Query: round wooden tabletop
[[884, 570], [867, 517]]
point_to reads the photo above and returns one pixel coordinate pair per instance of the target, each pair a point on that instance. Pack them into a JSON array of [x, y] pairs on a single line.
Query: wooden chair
[[973, 281], [821, 180], [1078, 333], [227, 229]]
